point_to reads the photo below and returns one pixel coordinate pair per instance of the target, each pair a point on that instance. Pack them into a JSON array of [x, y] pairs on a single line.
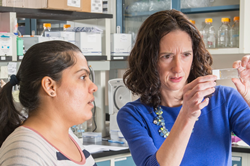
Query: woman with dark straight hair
[[56, 90], [181, 117]]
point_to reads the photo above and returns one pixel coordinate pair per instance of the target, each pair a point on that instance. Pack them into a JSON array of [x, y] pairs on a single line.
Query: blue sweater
[[210, 142]]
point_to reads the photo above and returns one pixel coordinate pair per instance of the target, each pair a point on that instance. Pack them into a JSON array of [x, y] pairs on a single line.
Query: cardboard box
[[23, 3], [75, 5]]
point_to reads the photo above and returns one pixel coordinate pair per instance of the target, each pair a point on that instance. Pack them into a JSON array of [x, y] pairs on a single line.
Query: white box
[[89, 43], [8, 46], [121, 44], [68, 36], [30, 41]]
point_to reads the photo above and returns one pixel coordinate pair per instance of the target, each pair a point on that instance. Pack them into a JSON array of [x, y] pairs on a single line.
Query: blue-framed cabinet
[[130, 18]]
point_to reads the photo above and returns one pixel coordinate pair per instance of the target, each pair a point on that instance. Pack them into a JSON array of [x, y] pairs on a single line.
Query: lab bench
[[240, 156], [113, 158]]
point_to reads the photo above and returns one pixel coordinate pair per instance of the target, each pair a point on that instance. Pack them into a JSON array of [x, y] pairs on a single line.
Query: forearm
[[173, 148]]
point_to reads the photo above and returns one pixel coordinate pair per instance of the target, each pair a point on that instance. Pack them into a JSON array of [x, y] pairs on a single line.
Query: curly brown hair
[[142, 77]]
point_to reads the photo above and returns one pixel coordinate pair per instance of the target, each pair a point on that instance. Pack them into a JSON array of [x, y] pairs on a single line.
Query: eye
[[83, 77], [165, 56], [187, 54]]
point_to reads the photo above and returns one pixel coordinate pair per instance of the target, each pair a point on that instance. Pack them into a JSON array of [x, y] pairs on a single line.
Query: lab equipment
[[91, 137], [118, 96]]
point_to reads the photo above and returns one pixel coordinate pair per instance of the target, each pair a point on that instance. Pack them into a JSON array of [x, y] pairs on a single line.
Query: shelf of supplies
[[53, 14], [218, 51], [210, 9], [140, 14]]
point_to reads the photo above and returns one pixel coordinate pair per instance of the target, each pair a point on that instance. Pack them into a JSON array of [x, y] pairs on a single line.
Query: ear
[[49, 86]]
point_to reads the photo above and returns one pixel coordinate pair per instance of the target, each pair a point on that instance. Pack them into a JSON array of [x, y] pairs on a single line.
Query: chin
[[88, 116]]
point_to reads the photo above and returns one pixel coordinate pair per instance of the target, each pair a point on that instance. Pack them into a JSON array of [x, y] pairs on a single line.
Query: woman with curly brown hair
[[181, 117]]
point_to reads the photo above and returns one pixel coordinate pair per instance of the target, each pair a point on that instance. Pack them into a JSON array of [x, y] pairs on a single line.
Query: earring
[[52, 94]]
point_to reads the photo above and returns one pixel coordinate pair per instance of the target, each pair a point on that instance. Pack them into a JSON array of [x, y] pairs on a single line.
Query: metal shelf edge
[[53, 14], [210, 9]]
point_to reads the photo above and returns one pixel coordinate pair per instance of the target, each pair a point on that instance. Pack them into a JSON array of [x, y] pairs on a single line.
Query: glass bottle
[[208, 34], [66, 26], [192, 21], [234, 33], [46, 27], [223, 34]]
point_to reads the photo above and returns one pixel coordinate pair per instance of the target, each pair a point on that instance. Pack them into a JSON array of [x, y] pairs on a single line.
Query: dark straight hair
[[43, 59]]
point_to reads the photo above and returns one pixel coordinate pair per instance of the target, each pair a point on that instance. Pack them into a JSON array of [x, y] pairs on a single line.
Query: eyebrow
[[83, 69], [173, 53]]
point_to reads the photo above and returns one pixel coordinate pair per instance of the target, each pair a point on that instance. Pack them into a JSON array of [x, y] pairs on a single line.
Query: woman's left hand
[[243, 83]]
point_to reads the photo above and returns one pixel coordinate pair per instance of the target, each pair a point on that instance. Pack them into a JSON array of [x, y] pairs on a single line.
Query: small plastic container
[[91, 137]]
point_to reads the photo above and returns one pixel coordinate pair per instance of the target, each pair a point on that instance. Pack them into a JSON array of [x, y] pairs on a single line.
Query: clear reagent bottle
[[223, 34], [66, 26], [46, 27], [234, 33], [208, 34]]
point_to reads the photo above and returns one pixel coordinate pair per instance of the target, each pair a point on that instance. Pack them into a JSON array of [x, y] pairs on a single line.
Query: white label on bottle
[[74, 3], [3, 58]]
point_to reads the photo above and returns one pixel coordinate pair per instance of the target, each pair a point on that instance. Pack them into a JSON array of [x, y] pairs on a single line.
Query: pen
[[112, 141]]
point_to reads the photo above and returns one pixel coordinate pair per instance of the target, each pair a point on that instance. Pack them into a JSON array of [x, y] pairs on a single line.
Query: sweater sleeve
[[141, 145], [239, 115]]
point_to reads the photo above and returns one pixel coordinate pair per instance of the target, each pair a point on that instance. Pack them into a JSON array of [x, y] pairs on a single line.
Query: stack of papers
[[241, 143], [100, 148], [85, 29]]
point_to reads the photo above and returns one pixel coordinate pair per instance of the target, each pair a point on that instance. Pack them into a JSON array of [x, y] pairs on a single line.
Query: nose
[[93, 87], [177, 65]]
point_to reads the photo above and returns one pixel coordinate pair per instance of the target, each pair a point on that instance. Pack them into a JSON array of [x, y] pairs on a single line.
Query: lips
[[91, 101], [176, 79]]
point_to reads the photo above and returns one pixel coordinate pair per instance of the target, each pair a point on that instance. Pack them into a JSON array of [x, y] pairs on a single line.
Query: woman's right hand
[[195, 92]]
